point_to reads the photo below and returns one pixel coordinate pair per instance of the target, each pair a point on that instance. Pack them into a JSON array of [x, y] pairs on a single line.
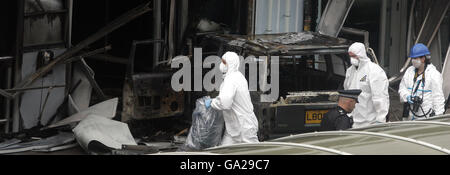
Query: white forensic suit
[[373, 106], [234, 100], [429, 90]]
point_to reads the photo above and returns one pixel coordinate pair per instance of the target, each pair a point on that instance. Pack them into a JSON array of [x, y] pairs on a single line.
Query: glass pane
[[32, 6], [47, 29], [338, 65], [321, 64]]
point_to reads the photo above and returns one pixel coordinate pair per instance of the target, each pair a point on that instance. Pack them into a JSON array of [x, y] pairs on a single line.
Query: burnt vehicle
[[311, 69], [147, 94]]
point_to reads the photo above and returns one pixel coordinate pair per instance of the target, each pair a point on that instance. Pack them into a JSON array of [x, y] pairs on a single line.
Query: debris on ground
[[97, 134], [105, 109], [293, 38], [39, 144], [311, 97]]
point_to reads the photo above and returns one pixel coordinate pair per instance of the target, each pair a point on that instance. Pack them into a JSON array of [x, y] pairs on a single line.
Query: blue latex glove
[[409, 99], [208, 103]]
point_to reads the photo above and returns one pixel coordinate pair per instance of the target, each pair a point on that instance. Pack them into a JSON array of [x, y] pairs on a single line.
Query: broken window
[[339, 65], [320, 63], [316, 62], [45, 22], [311, 72]]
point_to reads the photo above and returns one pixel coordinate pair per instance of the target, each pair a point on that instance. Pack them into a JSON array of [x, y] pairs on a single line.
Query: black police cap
[[352, 93]]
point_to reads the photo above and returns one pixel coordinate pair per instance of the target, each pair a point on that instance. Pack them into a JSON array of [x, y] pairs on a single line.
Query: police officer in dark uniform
[[337, 118]]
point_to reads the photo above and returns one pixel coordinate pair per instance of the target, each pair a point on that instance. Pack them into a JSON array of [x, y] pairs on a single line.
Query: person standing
[[234, 100], [421, 86], [370, 78]]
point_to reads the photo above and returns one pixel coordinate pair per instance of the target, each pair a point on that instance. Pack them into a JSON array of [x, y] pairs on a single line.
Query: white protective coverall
[[373, 105], [235, 102], [430, 91]]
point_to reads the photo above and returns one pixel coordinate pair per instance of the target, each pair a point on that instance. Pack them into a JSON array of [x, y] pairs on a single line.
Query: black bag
[[207, 128]]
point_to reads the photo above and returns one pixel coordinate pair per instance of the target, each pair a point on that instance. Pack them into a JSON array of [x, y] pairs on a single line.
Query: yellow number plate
[[314, 117]]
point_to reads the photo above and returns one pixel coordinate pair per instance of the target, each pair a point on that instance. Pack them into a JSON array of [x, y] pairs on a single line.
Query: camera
[[417, 102]]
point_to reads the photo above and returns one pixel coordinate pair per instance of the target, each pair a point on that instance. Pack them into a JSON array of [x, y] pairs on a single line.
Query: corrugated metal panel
[[274, 148], [436, 133], [279, 16], [427, 137], [367, 143]]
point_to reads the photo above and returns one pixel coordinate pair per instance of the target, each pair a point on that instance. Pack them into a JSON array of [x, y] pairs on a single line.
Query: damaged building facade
[[59, 58]]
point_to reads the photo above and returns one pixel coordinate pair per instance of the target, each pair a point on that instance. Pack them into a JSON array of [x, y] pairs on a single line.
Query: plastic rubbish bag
[[207, 128]]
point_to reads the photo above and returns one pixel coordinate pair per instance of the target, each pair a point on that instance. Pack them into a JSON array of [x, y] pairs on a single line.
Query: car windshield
[[324, 72]]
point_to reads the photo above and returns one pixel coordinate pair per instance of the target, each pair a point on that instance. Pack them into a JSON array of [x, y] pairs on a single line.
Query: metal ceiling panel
[[334, 17]]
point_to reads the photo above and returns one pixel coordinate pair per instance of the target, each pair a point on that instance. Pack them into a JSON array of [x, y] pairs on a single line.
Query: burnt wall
[[90, 16]]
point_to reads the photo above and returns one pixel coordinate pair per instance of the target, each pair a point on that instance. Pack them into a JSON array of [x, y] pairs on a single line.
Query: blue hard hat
[[419, 50]]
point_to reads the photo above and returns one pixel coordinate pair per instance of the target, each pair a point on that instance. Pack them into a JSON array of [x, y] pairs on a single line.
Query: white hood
[[359, 50], [233, 62]]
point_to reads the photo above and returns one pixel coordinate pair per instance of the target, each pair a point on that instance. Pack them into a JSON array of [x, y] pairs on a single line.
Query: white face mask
[[416, 63], [354, 61], [223, 68]]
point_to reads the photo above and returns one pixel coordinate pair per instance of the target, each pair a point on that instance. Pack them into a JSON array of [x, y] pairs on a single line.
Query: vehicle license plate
[[314, 116]]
